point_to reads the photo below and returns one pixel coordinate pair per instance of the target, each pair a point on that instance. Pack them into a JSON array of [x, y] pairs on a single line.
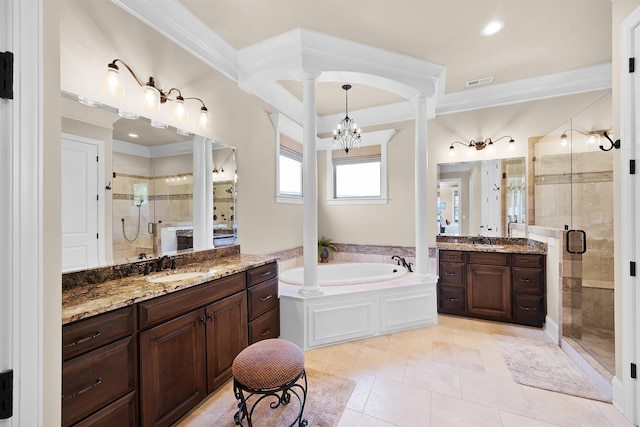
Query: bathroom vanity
[[137, 352], [495, 282]]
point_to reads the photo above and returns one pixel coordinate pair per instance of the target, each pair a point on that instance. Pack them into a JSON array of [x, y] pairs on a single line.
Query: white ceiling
[[541, 37]]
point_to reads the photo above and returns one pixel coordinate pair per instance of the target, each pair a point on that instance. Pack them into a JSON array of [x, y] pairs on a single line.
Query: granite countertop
[[82, 301], [506, 248]]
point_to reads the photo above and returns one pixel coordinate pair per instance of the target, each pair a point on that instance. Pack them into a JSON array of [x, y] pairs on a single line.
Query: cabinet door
[[489, 291], [172, 369], [226, 337]]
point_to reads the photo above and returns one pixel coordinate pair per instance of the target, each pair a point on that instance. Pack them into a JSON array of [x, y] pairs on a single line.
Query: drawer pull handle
[[453, 299], [528, 308], [268, 297], [265, 333], [84, 390], [268, 273], [451, 274], [523, 261], [85, 339], [527, 280]]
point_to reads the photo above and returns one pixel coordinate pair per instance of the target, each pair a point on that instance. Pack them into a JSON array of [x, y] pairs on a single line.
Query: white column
[[199, 197], [208, 194], [421, 171], [310, 285]]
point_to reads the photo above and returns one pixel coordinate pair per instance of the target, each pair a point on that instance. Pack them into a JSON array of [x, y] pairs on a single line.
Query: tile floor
[[601, 344], [448, 375]]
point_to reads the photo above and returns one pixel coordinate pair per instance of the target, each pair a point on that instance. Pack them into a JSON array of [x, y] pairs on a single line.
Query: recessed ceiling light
[[133, 135], [493, 27]]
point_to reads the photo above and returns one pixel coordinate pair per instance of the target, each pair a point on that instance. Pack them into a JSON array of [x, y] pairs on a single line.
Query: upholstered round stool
[[269, 368]]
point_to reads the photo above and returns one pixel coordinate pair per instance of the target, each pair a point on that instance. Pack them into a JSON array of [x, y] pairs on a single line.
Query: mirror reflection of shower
[[138, 201]]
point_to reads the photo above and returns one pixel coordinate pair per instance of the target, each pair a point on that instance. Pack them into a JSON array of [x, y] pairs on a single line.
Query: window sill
[[293, 200]]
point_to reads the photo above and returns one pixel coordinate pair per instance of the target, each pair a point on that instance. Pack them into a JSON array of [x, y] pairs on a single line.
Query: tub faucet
[[403, 262]]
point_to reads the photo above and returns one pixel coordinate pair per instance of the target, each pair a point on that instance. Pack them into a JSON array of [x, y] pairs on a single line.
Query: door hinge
[[98, 236], [97, 158], [632, 65], [632, 167], [6, 75], [632, 269], [633, 370], [6, 394]]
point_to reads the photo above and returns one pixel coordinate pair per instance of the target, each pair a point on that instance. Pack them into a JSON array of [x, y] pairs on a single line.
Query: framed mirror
[[128, 188], [484, 197]]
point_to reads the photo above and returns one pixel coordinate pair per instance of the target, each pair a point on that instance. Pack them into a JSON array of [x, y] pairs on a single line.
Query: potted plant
[[324, 246]]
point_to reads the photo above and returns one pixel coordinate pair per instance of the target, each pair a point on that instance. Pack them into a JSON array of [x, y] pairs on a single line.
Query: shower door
[[573, 191]]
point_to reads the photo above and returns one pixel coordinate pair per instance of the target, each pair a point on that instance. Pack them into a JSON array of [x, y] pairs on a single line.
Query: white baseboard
[[551, 328], [618, 394]]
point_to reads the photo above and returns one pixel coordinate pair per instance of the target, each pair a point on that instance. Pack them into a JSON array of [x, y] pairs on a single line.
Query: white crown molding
[[581, 80], [173, 20], [123, 147], [288, 55], [285, 125], [165, 150]]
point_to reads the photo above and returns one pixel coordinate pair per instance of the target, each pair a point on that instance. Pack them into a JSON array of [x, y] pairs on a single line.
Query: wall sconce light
[[593, 136], [481, 145], [152, 97]]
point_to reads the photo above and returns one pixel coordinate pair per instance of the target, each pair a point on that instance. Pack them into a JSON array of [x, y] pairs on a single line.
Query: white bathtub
[[346, 274]]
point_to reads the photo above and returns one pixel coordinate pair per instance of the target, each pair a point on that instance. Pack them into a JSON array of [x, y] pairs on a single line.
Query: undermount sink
[[491, 246], [175, 276]]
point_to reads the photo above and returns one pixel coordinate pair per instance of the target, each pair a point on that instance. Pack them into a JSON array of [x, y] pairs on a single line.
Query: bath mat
[[327, 397], [545, 365]]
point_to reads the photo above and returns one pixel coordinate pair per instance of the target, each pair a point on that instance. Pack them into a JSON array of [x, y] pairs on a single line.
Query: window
[[288, 159], [358, 177], [290, 167]]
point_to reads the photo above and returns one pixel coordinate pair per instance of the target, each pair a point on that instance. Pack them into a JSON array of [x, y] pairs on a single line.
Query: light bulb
[[150, 99], [112, 83], [179, 111], [204, 120]]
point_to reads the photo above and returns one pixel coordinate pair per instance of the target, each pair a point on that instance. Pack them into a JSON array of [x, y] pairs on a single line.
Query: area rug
[[327, 397], [546, 366]]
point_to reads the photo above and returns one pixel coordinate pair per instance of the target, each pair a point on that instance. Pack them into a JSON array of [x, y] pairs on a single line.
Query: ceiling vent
[[477, 82]]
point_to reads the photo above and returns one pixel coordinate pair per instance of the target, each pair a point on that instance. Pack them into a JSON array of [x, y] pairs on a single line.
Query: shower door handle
[[576, 241], [150, 228]]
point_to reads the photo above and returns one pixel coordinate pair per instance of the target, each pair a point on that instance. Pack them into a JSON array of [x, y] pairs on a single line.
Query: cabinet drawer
[[452, 256], [488, 258], [121, 413], [262, 273], [528, 260], [265, 326], [154, 311], [86, 335], [528, 280], [263, 298], [529, 310], [451, 274], [451, 300], [95, 379]]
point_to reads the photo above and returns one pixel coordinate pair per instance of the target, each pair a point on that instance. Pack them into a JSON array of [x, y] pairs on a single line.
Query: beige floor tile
[[360, 394], [502, 329], [198, 418], [465, 323], [484, 342], [537, 334], [447, 411], [494, 364], [410, 345], [433, 376], [381, 364], [380, 342], [612, 414], [343, 355], [494, 391], [564, 410], [513, 420], [458, 356], [397, 403], [354, 418], [435, 333]]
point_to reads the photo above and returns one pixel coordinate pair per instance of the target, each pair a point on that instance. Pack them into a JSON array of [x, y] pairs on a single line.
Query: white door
[[81, 203]]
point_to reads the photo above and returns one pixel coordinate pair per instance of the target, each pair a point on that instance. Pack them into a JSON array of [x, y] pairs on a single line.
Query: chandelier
[[347, 133], [152, 97]]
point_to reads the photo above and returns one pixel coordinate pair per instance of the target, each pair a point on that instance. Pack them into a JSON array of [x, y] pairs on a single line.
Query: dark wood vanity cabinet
[[187, 356], [493, 285], [99, 370], [264, 304], [148, 364]]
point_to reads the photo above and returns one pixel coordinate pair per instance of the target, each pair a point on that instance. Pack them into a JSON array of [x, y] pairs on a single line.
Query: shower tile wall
[[174, 198], [587, 179]]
